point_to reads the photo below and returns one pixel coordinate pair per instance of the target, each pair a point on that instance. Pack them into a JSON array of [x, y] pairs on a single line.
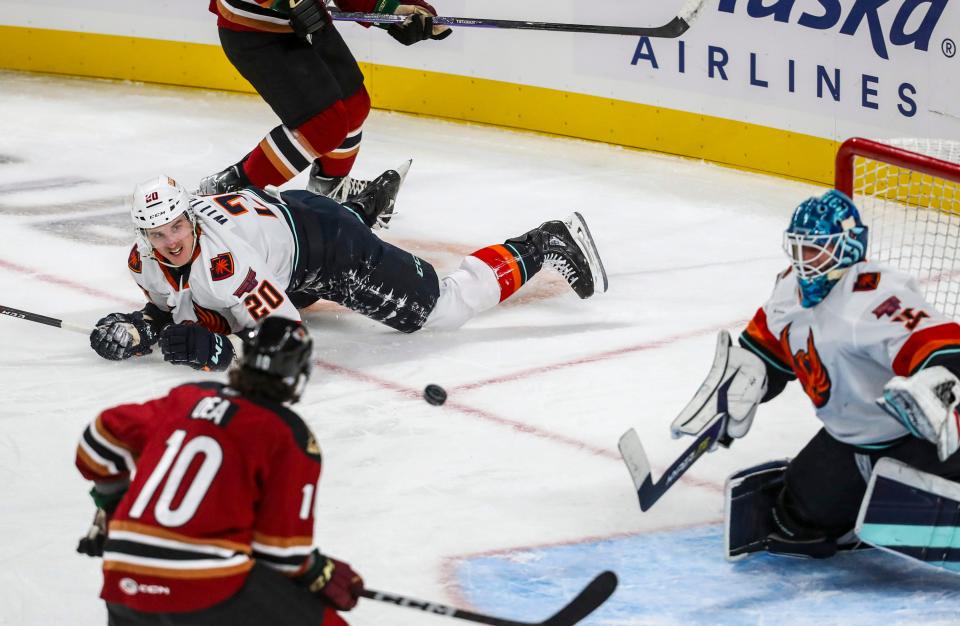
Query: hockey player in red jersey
[[299, 64], [206, 499], [878, 363], [213, 265]]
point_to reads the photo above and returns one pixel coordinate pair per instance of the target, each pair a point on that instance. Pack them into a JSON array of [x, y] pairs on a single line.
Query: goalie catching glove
[[735, 385], [926, 404]]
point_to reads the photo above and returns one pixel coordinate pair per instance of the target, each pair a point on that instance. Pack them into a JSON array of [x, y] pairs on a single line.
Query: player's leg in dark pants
[[267, 597], [826, 482], [343, 261], [317, 92]]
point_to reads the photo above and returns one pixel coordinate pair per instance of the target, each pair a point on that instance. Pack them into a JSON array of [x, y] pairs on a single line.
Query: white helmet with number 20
[[156, 202]]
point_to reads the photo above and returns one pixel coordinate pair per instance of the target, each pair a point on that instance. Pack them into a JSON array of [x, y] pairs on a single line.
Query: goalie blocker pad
[[749, 496], [912, 514]]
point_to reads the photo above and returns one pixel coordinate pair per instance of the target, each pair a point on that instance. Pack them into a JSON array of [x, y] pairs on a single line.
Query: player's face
[[812, 257], [175, 241]]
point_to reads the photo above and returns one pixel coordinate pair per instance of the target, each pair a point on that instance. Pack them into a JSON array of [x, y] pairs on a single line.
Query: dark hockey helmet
[[280, 348], [825, 238]]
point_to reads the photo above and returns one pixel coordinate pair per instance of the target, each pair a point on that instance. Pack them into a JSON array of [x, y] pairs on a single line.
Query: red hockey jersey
[[217, 481]]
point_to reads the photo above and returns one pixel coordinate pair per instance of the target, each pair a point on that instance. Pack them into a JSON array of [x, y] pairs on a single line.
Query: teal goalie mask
[[824, 239]]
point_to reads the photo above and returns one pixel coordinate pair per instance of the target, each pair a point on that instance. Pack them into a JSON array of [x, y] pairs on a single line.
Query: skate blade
[[403, 168], [581, 233], [391, 211]]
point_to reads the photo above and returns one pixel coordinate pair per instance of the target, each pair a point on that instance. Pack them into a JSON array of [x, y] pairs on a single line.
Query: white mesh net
[[914, 218]]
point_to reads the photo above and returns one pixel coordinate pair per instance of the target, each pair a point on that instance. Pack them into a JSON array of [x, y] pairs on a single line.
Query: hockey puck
[[434, 394]]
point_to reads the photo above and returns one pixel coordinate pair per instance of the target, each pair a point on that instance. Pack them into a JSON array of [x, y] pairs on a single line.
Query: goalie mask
[[824, 239], [158, 202]]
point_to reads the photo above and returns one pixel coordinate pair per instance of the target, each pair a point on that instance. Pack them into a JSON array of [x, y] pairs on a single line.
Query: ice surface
[[522, 458]]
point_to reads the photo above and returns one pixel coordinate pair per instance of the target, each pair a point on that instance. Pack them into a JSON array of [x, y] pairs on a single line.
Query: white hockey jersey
[[873, 324], [245, 256]]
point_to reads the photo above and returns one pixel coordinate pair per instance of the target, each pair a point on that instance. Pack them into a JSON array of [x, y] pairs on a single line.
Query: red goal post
[[908, 192]]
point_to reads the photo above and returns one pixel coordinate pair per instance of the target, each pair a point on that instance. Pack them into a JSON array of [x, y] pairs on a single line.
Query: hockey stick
[[639, 467], [592, 596], [43, 319], [674, 28]]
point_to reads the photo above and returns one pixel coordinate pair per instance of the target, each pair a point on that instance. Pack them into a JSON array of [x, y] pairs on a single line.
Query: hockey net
[[908, 192]]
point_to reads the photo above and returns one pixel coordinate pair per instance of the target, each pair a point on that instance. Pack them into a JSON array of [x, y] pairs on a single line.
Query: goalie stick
[[592, 596], [674, 28], [43, 319], [631, 449]]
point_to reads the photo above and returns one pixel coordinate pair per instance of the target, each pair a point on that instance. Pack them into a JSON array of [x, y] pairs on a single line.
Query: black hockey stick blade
[[631, 449], [42, 319], [672, 29], [587, 601]]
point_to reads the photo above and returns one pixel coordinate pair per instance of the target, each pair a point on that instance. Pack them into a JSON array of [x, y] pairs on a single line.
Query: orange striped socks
[[511, 267]]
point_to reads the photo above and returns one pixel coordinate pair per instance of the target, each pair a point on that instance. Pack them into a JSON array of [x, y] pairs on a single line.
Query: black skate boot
[[567, 247], [229, 180], [375, 202], [344, 188]]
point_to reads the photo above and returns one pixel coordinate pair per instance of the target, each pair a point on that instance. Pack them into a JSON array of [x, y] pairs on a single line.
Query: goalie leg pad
[[912, 514], [750, 496], [756, 520]]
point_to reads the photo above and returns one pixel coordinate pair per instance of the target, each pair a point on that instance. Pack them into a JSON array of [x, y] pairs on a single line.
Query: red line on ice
[[63, 282], [415, 394], [592, 358]]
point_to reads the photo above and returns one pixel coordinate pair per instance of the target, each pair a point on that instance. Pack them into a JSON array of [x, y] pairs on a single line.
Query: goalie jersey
[[874, 324], [246, 256], [218, 481]]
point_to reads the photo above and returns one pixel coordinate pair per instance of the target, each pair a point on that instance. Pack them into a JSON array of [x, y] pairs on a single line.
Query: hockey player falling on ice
[[206, 500], [211, 266], [851, 332], [299, 64]]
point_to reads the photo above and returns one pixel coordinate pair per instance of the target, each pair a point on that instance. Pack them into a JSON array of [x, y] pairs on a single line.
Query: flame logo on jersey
[[221, 266], [809, 368]]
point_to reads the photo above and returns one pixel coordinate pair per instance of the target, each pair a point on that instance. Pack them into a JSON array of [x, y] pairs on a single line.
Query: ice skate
[[568, 247], [376, 199], [345, 188], [229, 180]]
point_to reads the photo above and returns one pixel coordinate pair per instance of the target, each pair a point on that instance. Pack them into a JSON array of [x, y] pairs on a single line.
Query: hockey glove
[[120, 336], [333, 580], [196, 346], [735, 385], [926, 404], [419, 25], [106, 495], [307, 17], [91, 544]]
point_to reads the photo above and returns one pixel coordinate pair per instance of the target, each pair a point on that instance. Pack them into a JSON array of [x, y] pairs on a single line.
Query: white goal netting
[[912, 206]]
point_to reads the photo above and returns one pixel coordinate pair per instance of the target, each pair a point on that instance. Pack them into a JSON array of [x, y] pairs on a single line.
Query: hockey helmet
[[824, 239], [157, 202], [281, 348]]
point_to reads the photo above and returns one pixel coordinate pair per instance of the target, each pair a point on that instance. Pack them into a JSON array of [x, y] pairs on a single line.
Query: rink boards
[[768, 89]]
